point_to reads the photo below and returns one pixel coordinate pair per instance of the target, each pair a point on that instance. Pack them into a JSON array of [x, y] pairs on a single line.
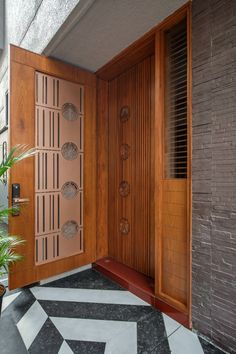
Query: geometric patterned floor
[[88, 313]]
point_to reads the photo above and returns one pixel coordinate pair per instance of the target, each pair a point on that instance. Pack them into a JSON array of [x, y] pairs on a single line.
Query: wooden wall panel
[[133, 89], [174, 239], [102, 168]]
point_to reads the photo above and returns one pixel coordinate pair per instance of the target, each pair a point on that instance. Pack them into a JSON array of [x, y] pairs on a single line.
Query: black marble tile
[[88, 279], [20, 305], [162, 348], [10, 338], [151, 334], [208, 348], [86, 347], [48, 340], [96, 311]]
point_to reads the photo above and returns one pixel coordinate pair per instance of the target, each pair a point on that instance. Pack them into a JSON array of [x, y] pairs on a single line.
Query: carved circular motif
[[70, 229], [124, 114], [69, 190], [124, 188], [69, 151], [124, 151], [69, 111], [124, 226]]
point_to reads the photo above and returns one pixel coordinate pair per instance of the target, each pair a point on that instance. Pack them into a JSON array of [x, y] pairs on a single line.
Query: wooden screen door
[[52, 108]]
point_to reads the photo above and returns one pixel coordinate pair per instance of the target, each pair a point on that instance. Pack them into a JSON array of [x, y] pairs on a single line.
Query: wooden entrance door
[[53, 108], [131, 189]]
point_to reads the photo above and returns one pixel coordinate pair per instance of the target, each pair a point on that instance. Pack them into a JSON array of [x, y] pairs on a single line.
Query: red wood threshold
[[138, 284]]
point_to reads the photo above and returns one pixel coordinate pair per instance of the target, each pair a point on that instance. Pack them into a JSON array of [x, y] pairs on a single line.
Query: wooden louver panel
[[175, 123]]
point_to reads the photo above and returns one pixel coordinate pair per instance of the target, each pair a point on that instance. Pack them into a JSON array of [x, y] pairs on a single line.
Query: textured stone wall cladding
[[214, 170]]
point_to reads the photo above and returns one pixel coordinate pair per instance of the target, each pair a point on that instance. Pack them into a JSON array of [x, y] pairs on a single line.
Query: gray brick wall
[[214, 170]]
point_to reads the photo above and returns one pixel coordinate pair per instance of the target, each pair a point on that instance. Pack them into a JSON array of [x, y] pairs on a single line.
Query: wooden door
[[53, 108], [173, 146], [131, 189]]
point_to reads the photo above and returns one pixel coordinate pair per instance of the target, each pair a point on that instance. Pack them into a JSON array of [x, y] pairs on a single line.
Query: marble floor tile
[[65, 348], [87, 313], [79, 347], [209, 348], [96, 311], [170, 325], [152, 333], [184, 341], [31, 323], [7, 300], [48, 340], [119, 336], [88, 279], [87, 295]]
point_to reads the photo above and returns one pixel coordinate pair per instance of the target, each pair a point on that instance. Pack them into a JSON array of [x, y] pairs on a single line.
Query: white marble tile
[[31, 323], [65, 349], [170, 324], [184, 341], [7, 300], [87, 295], [120, 336], [124, 342]]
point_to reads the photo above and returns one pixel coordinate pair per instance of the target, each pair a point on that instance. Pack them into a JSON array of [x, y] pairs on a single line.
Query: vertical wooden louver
[[173, 234], [175, 122]]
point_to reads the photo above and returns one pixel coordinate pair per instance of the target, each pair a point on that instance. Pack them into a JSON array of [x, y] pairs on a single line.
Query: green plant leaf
[[18, 153]]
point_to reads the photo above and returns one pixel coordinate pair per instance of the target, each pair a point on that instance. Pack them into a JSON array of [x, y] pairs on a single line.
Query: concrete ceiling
[[97, 30]]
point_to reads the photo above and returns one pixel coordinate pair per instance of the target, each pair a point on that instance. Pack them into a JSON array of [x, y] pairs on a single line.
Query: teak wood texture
[[172, 195], [23, 65], [131, 189]]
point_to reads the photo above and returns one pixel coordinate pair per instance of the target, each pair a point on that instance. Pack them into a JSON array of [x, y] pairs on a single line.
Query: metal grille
[[176, 102], [58, 168]]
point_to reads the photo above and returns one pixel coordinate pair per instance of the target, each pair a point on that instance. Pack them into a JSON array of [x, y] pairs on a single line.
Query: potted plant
[[8, 243]]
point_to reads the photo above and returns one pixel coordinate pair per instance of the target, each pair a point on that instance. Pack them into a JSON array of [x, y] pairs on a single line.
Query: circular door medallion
[[69, 151], [124, 151], [124, 226], [70, 229], [69, 111], [124, 114], [124, 188], [69, 190]]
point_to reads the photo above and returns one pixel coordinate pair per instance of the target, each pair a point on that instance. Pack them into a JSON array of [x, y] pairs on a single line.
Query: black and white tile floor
[[87, 313]]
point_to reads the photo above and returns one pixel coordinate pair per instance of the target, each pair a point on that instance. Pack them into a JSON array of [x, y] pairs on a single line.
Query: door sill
[[138, 284]]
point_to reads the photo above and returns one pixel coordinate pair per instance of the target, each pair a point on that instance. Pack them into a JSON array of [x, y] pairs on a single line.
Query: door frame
[[23, 65]]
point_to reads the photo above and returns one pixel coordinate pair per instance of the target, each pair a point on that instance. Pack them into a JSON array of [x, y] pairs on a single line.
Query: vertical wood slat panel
[[112, 160], [126, 87], [102, 168], [134, 89]]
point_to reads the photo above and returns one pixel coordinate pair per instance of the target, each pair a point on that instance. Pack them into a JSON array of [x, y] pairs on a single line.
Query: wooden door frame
[[30, 63], [143, 47]]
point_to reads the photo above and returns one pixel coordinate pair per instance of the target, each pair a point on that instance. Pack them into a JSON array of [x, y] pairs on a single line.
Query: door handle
[[16, 199], [20, 200]]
